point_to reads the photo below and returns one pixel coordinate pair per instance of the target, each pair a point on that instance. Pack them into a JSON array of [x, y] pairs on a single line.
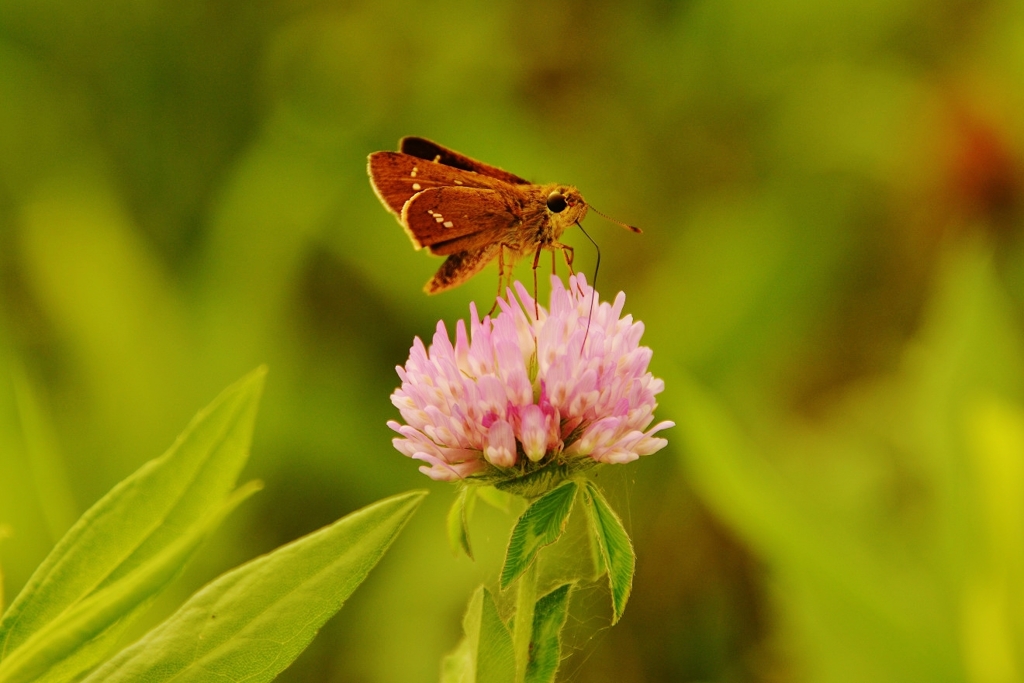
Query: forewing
[[450, 219], [461, 266], [431, 151], [396, 177]]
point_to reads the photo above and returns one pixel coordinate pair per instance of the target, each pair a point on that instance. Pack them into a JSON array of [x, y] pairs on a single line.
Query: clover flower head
[[528, 388]]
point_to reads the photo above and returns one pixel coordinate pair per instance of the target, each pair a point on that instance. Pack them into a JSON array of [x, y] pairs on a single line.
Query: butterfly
[[472, 212]]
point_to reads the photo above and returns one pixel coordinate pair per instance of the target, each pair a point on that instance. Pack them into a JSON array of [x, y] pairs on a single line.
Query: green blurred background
[[831, 276]]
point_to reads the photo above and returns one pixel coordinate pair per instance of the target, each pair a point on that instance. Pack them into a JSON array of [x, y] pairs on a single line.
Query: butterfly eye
[[556, 202]]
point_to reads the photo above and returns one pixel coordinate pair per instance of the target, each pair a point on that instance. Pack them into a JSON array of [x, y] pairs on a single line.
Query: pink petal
[[533, 432], [501, 445]]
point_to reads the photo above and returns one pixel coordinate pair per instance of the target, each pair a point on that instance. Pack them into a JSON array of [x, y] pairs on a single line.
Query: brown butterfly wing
[[396, 177], [453, 219], [431, 151], [461, 266]]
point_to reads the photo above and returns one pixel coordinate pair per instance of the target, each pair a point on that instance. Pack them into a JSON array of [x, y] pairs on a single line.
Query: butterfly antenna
[[605, 216], [593, 286]]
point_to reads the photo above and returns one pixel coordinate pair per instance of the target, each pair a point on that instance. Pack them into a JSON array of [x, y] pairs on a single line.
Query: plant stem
[[522, 633]]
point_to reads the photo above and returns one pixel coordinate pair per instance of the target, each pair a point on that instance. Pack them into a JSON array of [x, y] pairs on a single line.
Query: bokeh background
[[831, 276]]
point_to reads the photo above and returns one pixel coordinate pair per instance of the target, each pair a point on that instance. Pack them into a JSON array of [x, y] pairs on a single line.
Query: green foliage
[[486, 650], [616, 549], [251, 623], [62, 649], [146, 526], [485, 653], [497, 499], [541, 524], [458, 521], [541, 481], [546, 645]]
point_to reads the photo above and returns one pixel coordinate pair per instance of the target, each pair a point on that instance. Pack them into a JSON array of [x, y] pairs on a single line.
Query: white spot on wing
[[416, 186], [448, 224], [438, 217], [414, 171], [458, 182]]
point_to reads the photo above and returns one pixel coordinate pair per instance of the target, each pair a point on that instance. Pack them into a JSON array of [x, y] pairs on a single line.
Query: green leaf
[[485, 654], [616, 548], [541, 481], [252, 622], [150, 511], [46, 651], [546, 646], [541, 524], [596, 557], [499, 500], [458, 521], [522, 621]]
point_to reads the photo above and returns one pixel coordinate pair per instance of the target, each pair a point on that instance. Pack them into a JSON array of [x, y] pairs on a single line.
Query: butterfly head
[[565, 205]]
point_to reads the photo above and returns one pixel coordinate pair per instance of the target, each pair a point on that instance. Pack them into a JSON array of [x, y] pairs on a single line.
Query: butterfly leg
[[568, 254], [504, 274], [536, 262]]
